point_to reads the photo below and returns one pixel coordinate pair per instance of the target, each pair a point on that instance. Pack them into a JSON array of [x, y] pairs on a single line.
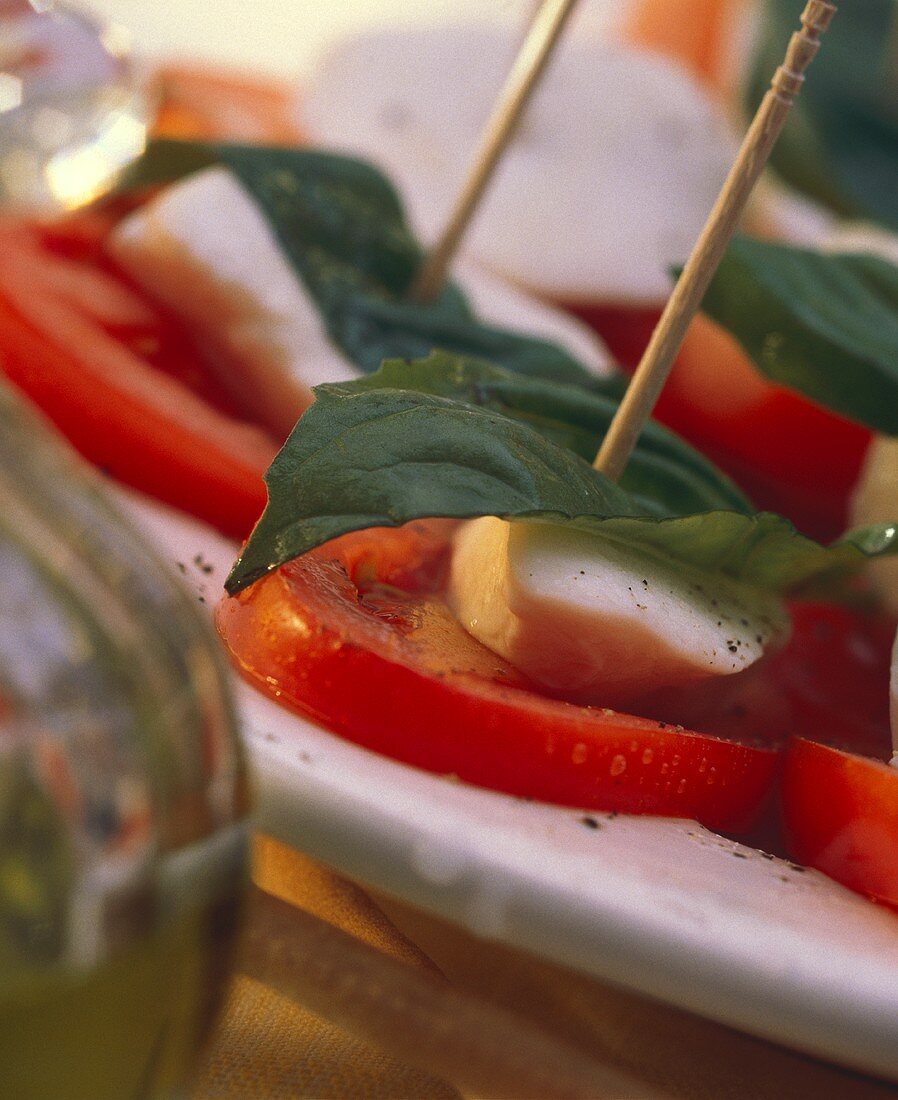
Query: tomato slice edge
[[840, 816], [308, 636]]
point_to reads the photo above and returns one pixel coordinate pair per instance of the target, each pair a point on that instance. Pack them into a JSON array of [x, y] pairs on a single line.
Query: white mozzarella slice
[[599, 622], [875, 498], [863, 237], [606, 185], [785, 214], [876, 501], [204, 249], [800, 220], [496, 302]]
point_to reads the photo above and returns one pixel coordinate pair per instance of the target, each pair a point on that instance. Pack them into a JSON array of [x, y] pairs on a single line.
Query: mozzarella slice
[[788, 215], [600, 622], [863, 237], [875, 498], [207, 253], [876, 501], [496, 302], [606, 185]]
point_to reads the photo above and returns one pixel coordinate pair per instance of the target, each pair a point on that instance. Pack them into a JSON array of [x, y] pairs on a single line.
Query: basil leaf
[[363, 456], [166, 160], [840, 142], [664, 476], [341, 227], [823, 324], [378, 458]]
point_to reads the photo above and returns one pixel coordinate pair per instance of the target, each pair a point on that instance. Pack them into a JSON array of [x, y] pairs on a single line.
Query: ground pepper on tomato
[[357, 635], [363, 619]]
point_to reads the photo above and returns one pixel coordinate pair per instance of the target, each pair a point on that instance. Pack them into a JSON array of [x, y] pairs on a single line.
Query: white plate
[[662, 907]]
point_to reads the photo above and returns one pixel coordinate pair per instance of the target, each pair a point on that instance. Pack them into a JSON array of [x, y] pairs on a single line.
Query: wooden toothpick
[[683, 304], [529, 66]]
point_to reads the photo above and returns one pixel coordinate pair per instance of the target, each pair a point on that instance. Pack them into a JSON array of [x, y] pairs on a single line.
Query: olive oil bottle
[[123, 795]]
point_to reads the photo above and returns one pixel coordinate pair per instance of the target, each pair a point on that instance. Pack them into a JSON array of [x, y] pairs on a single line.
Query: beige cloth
[[268, 1048]]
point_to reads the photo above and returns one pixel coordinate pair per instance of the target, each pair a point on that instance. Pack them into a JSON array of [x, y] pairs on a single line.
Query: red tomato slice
[[834, 677], [839, 809], [356, 635], [122, 382], [217, 104], [692, 32], [789, 454], [840, 815]]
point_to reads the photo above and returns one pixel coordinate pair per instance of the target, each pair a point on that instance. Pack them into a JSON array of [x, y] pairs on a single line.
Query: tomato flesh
[[693, 33], [840, 809], [789, 454], [120, 380], [367, 645], [840, 815], [218, 104], [834, 677]]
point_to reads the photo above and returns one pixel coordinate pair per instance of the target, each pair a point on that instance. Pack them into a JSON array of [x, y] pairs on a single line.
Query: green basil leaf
[[664, 476], [363, 456], [840, 142], [341, 226], [378, 458], [166, 160], [823, 324]]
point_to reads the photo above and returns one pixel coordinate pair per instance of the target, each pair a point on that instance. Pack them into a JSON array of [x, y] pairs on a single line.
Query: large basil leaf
[[364, 456], [823, 324], [378, 458], [341, 226], [664, 476], [840, 143]]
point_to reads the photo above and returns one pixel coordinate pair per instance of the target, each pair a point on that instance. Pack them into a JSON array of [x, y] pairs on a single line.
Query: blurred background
[[283, 37]]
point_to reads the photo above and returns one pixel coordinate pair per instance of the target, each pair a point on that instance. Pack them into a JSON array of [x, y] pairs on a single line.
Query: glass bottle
[[122, 792], [74, 106]]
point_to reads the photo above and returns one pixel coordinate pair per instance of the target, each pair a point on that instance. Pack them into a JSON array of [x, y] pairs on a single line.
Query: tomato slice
[[219, 104], [692, 32], [834, 677], [789, 454], [357, 635], [839, 808], [121, 381], [840, 815]]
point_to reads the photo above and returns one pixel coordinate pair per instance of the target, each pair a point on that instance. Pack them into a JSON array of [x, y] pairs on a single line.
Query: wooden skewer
[[683, 304], [529, 66]]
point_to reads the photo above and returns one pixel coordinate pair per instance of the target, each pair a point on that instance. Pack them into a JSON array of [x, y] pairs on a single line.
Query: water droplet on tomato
[[618, 765], [647, 756]]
